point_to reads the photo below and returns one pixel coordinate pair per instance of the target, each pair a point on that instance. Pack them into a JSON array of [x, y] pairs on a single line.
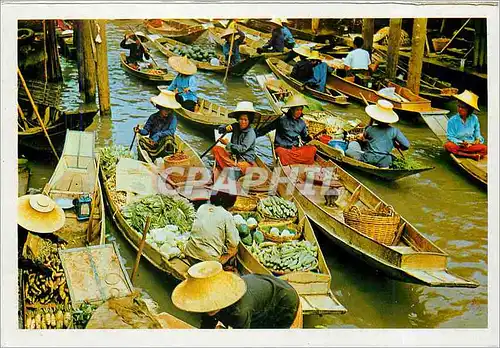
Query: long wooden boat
[[76, 174], [265, 26], [32, 139], [477, 170], [152, 75], [165, 46], [176, 29], [339, 157], [411, 257], [283, 71]]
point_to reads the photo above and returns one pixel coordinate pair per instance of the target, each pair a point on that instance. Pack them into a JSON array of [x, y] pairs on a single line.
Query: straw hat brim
[[168, 103], [178, 64], [227, 32], [203, 295], [38, 222], [276, 21], [295, 101], [302, 51], [468, 102], [381, 115]]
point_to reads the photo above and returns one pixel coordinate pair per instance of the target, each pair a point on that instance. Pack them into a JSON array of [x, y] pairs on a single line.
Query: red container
[[325, 139]]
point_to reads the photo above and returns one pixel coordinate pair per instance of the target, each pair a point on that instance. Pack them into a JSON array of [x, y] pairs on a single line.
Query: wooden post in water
[[89, 63], [53, 63], [393, 47], [77, 40], [99, 27], [314, 25], [368, 29], [417, 54]]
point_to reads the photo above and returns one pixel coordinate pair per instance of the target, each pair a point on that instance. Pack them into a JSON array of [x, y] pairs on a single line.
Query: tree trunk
[[417, 54], [368, 29], [393, 47], [102, 67], [89, 64]]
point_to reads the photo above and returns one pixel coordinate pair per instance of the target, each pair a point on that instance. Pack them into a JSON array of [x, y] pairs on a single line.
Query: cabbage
[[238, 219], [170, 251], [286, 233], [162, 235], [275, 231], [251, 221]]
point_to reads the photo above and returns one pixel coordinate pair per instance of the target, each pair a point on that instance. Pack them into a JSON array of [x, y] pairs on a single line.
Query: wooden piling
[[77, 40], [99, 27], [417, 54], [368, 29], [53, 63], [393, 47], [314, 25], [477, 42], [89, 63]]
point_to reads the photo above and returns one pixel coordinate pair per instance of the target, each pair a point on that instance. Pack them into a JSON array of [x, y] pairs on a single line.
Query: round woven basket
[[314, 126], [265, 225], [381, 226], [170, 162]]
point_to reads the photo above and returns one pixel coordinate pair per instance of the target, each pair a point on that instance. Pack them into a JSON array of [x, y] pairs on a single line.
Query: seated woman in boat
[[137, 51], [240, 151], [239, 38], [287, 34], [184, 84], [379, 138], [252, 301], [214, 236], [277, 41], [303, 70], [160, 126], [463, 131], [291, 130]]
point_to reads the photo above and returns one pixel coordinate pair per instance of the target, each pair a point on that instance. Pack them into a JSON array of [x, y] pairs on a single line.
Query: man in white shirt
[[357, 59]]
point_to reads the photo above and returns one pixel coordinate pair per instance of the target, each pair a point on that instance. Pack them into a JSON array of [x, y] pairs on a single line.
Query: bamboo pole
[[417, 54], [94, 198], [139, 250], [102, 69], [21, 113], [454, 36], [36, 112], [89, 71], [368, 29], [229, 58], [393, 47]]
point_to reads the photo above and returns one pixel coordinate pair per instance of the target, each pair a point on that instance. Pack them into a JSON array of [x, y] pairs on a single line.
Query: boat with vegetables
[[202, 55], [175, 29], [156, 75], [283, 70], [357, 220]]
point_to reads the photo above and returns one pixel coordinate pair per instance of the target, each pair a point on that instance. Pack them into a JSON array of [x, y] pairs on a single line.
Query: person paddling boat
[[184, 84]]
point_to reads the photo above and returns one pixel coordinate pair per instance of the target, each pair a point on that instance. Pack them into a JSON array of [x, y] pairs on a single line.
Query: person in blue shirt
[[184, 84], [463, 131], [379, 138], [287, 34], [320, 72], [277, 41], [239, 38], [160, 127]]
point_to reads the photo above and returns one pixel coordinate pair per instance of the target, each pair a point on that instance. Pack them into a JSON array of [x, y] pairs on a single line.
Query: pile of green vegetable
[[287, 257], [277, 208], [195, 52], [407, 163], [82, 315], [163, 210], [109, 157]]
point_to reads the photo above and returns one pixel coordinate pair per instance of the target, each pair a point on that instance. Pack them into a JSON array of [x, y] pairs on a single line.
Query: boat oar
[[94, 199], [144, 48], [397, 147], [229, 58], [36, 112], [132, 143], [139, 250], [212, 146]]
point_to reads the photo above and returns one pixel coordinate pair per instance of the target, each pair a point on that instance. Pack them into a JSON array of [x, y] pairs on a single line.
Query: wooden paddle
[[94, 198], [133, 140], [229, 58], [212, 146], [144, 48], [139, 250]]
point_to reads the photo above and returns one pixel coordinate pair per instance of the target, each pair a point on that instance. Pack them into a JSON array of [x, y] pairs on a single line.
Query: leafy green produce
[[287, 257], [407, 163], [82, 315], [109, 157]]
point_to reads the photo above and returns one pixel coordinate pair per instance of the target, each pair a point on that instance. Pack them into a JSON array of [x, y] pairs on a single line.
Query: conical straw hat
[[468, 98], [302, 50], [245, 107], [284, 20], [182, 65], [39, 213], [208, 288], [382, 112], [276, 21], [295, 100], [227, 32], [166, 99]]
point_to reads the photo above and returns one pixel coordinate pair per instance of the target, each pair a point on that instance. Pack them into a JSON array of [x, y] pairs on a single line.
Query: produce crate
[[95, 274]]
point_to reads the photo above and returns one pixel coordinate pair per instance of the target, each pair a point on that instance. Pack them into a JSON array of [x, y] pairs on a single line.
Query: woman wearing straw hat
[[137, 50], [463, 131], [214, 236], [253, 301], [238, 39], [184, 84], [320, 72], [287, 34], [303, 69], [160, 126], [240, 151], [277, 41], [291, 131], [41, 216], [379, 138]]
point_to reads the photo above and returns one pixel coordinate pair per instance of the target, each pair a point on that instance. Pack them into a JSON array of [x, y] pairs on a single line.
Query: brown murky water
[[443, 203]]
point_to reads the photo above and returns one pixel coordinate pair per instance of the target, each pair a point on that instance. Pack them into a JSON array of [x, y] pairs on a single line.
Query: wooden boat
[[30, 135], [175, 29], [265, 26], [389, 174], [477, 170], [152, 75], [23, 177], [165, 45], [76, 174], [283, 71], [411, 257]]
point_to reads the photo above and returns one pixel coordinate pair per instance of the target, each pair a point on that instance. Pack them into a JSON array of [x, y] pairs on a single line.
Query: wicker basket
[[265, 225], [381, 226], [169, 162], [439, 43], [245, 203], [313, 126]]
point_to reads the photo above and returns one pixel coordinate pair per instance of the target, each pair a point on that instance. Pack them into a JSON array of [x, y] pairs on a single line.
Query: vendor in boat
[[310, 70], [252, 301], [277, 41], [291, 131], [137, 50], [379, 138], [41, 216], [160, 126], [287, 34], [184, 84], [214, 236], [320, 72], [237, 37], [240, 151], [358, 60], [463, 131]]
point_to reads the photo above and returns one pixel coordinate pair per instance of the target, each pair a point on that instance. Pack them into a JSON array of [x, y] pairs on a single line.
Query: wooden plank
[[426, 261], [323, 304], [305, 277], [310, 288], [438, 125]]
